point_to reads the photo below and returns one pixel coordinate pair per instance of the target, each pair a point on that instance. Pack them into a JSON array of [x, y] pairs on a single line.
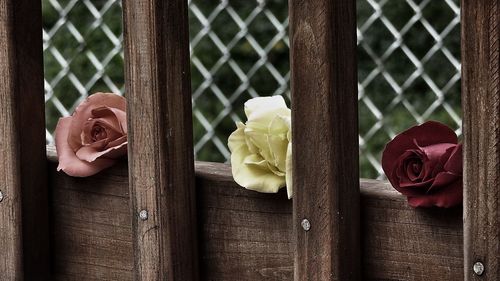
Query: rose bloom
[[261, 149], [93, 137], [425, 164]]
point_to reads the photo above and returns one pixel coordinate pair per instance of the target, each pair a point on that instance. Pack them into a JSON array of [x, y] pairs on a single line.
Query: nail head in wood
[[143, 215], [478, 268], [1, 196], [306, 225]]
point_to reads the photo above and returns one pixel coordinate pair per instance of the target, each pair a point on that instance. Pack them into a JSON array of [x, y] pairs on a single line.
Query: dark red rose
[[424, 163]]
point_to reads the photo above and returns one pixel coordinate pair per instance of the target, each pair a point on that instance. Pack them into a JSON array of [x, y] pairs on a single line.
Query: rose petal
[[278, 141], [253, 176], [400, 169], [84, 111], [264, 113], [90, 154], [433, 162], [288, 173], [68, 162], [454, 163], [414, 189], [116, 152], [278, 145], [116, 118], [414, 169], [259, 140], [109, 122], [428, 133], [261, 109], [237, 138], [99, 145], [431, 132], [436, 151], [422, 186], [257, 161], [86, 134], [448, 197], [442, 180], [117, 142]]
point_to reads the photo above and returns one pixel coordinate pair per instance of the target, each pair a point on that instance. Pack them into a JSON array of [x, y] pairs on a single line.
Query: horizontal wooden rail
[[245, 235]]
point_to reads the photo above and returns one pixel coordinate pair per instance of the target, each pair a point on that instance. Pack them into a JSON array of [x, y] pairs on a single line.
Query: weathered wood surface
[[244, 235], [402, 243], [481, 127], [325, 120], [23, 210], [161, 158], [91, 226]]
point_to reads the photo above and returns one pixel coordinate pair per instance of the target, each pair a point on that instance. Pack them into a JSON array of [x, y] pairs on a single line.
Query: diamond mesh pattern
[[82, 45], [408, 54]]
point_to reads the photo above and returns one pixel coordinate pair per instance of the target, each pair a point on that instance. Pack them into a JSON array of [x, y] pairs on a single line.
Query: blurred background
[[408, 64]]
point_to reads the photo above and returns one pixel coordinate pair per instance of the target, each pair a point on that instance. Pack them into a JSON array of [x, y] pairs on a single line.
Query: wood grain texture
[[403, 243], [91, 226], [161, 162], [481, 126], [245, 235], [24, 209], [325, 121]]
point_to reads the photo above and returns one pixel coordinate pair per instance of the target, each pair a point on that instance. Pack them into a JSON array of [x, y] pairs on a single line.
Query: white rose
[[261, 149]]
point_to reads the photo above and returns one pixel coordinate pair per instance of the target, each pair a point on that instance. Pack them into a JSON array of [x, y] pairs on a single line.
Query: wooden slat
[[245, 235], [481, 126], [24, 208], [325, 139], [10, 207], [161, 161]]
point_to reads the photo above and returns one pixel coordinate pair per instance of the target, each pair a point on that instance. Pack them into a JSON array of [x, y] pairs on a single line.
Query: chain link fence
[[408, 57]]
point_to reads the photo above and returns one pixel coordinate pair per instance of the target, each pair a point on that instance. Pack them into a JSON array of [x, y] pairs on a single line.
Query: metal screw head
[[143, 215], [1, 196], [306, 225], [478, 268]]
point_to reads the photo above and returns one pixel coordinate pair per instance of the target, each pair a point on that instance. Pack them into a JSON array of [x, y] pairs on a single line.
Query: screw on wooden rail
[[306, 225], [1, 196], [143, 215], [478, 268]]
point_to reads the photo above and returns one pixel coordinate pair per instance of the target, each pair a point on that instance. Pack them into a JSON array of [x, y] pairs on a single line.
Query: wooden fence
[[195, 222]]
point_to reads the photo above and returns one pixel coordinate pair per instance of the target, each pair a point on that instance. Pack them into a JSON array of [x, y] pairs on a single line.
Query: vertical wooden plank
[[10, 206], [481, 126], [161, 166], [325, 139], [24, 207]]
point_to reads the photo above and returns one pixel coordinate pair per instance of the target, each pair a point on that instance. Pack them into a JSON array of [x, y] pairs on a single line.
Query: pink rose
[[425, 164], [93, 137]]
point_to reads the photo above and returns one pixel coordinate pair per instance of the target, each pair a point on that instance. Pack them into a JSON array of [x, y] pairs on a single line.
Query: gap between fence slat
[[161, 165], [325, 139], [481, 127]]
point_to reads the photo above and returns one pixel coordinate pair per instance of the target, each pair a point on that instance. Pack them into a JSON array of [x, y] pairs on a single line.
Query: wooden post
[[481, 126], [161, 165], [23, 186], [325, 139]]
